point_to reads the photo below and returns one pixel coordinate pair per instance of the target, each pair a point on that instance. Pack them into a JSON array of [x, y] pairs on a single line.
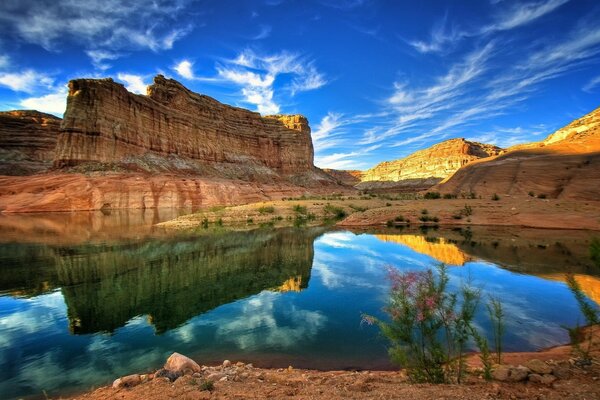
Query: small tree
[[429, 326]]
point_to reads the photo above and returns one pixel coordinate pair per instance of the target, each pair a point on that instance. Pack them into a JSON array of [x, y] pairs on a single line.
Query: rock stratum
[[27, 141], [566, 165], [425, 168], [347, 177], [169, 148]]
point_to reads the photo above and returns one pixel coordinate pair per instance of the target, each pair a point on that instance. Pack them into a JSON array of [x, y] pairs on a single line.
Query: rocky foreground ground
[[555, 373]]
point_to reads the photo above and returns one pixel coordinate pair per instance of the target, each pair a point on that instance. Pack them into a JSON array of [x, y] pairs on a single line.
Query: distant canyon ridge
[[179, 149]]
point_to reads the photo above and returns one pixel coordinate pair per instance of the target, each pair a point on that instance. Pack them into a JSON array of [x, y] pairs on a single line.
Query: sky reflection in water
[[76, 316]]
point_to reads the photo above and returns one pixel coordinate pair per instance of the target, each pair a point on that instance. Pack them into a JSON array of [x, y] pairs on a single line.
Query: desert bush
[[266, 210], [432, 195], [495, 197], [449, 196], [541, 196], [335, 212], [591, 315], [357, 208], [298, 209], [204, 223], [429, 326], [531, 194], [399, 218]]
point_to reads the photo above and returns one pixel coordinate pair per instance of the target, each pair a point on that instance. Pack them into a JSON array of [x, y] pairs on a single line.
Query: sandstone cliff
[[427, 167], [565, 165], [27, 141], [173, 129]]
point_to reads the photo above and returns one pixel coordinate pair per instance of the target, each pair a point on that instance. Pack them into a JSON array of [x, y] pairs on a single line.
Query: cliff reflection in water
[[170, 280]]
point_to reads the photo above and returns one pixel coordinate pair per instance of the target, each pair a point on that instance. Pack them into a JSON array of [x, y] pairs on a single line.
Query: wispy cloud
[[97, 25], [593, 84], [326, 134], [444, 37], [28, 81], [265, 32], [133, 83], [99, 58], [4, 61], [257, 74]]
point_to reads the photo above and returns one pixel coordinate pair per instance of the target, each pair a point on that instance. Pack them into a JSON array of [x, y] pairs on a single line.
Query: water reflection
[[76, 312]]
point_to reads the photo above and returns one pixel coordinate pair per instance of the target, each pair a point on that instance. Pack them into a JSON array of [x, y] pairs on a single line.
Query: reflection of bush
[[174, 280]]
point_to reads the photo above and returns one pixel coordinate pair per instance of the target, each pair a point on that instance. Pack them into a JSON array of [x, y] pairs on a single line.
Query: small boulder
[[170, 375], [510, 373], [538, 366], [226, 364], [127, 381], [548, 379], [562, 370], [535, 378], [181, 364], [215, 376]]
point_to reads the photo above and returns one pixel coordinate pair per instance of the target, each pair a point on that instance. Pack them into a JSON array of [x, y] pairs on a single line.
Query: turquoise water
[[78, 311]]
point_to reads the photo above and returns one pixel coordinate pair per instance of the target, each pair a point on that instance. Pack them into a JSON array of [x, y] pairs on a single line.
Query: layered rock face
[[174, 129], [565, 165], [346, 177], [27, 141], [427, 167]]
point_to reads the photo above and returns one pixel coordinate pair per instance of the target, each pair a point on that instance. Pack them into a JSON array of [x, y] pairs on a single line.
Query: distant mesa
[[565, 165]]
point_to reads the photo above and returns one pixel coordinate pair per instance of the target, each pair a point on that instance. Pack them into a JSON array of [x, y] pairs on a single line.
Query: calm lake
[[88, 297]]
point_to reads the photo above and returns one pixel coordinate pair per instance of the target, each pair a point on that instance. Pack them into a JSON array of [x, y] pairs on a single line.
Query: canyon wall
[[426, 167], [564, 165], [174, 129], [27, 141], [346, 177]]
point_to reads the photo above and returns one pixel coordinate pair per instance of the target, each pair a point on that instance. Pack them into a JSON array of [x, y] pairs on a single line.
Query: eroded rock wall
[[27, 141], [173, 128]]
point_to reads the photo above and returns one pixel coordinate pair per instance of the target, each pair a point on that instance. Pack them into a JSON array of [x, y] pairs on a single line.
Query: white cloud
[[326, 133], [133, 83], [257, 74], [592, 84], [27, 81], [107, 25], [184, 69], [52, 103]]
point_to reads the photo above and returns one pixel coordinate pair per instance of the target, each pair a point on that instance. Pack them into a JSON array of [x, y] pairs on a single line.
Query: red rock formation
[[426, 167], [173, 129], [565, 165], [27, 141]]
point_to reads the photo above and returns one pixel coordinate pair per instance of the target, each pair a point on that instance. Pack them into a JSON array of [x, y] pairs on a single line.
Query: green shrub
[[432, 195], [204, 223], [389, 223], [357, 208], [541, 196], [495, 197], [399, 218], [388, 204], [249, 221], [531, 194], [266, 210], [424, 211], [207, 385], [449, 196], [298, 209], [333, 211], [429, 326]]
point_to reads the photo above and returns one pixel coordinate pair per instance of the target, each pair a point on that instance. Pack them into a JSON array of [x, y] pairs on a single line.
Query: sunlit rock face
[[590, 285], [564, 165], [438, 248], [173, 128], [427, 167], [27, 141]]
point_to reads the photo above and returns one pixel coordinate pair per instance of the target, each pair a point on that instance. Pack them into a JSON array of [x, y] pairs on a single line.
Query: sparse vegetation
[[495, 197], [206, 384], [333, 211], [424, 211], [449, 196], [399, 218], [357, 208], [542, 196], [592, 318], [266, 210], [531, 194], [204, 223], [432, 195], [298, 209]]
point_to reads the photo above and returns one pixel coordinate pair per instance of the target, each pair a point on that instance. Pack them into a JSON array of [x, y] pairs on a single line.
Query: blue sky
[[377, 79]]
